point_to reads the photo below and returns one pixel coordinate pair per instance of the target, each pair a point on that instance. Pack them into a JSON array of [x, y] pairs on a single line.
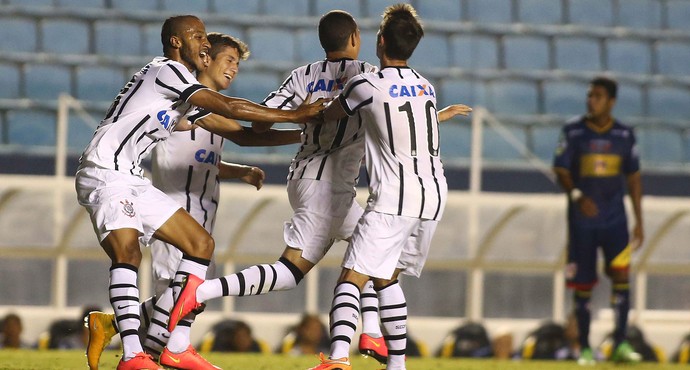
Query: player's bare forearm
[[565, 180], [634, 182], [248, 174], [242, 109], [273, 137], [261, 126], [452, 111]]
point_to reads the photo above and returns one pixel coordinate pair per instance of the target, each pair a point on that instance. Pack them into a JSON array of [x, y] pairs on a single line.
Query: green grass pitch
[[31, 359]]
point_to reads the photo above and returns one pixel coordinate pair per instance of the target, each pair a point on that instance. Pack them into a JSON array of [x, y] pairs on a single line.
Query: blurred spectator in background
[[682, 355], [309, 336], [636, 338], [469, 340], [11, 334], [232, 336], [67, 333], [551, 341]]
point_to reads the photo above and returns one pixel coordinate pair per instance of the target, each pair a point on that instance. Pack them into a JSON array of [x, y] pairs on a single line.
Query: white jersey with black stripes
[[144, 112], [331, 152], [398, 108], [185, 167]]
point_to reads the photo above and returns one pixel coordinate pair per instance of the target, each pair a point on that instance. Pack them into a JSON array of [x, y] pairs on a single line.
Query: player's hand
[[587, 206], [255, 176], [452, 111], [184, 125], [637, 237], [311, 112]]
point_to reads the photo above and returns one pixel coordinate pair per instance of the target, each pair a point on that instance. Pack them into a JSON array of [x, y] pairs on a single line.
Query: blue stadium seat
[[31, 128], [577, 53], [118, 38], [628, 56], [293, 8], [9, 81], [658, 144], [495, 147], [441, 10], [32, 2], [374, 8], [152, 40], [80, 4], [456, 140], [512, 97], [231, 7], [489, 11], [81, 131], [432, 51], [629, 102], [526, 52], [673, 57], [565, 97], [255, 86], [591, 12], [451, 91], [271, 44], [678, 14], [324, 6], [669, 102], [474, 52], [185, 7], [65, 36], [544, 141], [45, 81], [134, 5], [639, 14], [18, 34], [540, 11], [308, 46], [99, 83], [224, 28]]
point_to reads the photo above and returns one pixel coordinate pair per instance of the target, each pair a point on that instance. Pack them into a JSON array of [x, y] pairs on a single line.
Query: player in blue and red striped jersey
[[595, 160]]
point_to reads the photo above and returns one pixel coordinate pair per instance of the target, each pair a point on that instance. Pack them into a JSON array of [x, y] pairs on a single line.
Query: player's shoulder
[[621, 129], [574, 123]]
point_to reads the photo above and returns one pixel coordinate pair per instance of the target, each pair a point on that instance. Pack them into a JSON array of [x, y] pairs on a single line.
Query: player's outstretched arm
[[249, 174], [245, 136], [452, 111], [243, 109]]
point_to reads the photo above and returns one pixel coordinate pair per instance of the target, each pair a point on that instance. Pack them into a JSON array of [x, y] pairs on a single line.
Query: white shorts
[[323, 213], [117, 200], [382, 243]]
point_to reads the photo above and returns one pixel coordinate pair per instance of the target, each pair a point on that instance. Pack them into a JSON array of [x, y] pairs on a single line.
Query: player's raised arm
[[245, 136], [452, 111], [243, 109]]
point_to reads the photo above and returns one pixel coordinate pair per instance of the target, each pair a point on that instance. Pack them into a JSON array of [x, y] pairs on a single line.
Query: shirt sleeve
[[176, 82], [358, 93], [289, 95], [563, 155], [631, 162]]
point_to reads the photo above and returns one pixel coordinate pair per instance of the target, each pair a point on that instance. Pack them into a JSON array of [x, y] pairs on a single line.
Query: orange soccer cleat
[[189, 359], [101, 331], [186, 302], [142, 361], [332, 364], [374, 347]]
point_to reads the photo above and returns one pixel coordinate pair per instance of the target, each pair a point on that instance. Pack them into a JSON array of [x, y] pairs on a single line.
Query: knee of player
[[203, 246], [130, 255]]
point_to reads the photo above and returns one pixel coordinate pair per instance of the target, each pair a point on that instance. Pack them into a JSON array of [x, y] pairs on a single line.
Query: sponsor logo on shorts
[[128, 208]]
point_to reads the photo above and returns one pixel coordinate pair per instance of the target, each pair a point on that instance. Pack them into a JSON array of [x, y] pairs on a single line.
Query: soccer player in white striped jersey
[[122, 204], [407, 187], [321, 183]]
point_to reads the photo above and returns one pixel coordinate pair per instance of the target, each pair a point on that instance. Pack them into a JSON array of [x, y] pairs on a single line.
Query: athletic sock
[[393, 309], [583, 314], [180, 337], [255, 280], [370, 311], [620, 302], [157, 334], [145, 312], [344, 316], [124, 298], [188, 265]]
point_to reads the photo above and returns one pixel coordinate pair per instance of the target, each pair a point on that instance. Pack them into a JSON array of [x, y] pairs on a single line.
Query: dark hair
[[335, 28], [609, 84], [218, 41], [171, 27], [401, 31]]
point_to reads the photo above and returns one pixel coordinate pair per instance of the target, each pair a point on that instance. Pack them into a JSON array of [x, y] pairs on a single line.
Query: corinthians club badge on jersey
[[128, 208]]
